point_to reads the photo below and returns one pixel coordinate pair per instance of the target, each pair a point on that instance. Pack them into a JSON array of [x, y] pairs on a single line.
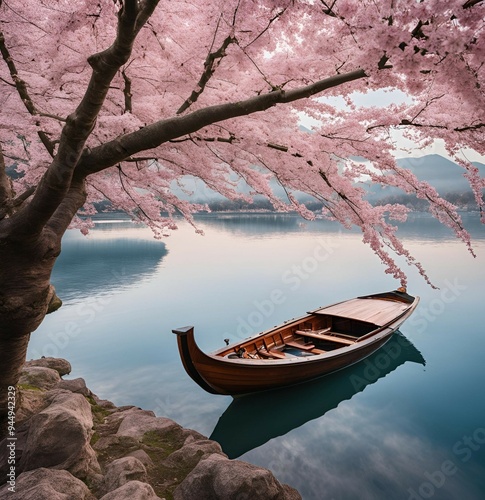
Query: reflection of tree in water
[[253, 420], [86, 267]]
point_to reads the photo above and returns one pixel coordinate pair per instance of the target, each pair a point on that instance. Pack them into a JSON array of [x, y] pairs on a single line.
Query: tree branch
[[212, 61], [412, 123], [154, 135], [469, 127], [71, 203], [21, 87], [471, 3], [127, 93]]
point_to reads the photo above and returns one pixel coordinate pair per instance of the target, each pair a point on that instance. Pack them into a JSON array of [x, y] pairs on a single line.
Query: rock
[[47, 484], [142, 456], [31, 401], [119, 445], [59, 436], [137, 422], [218, 478], [190, 454], [133, 490], [57, 421], [121, 471], [62, 366], [77, 385], [40, 377], [104, 403]]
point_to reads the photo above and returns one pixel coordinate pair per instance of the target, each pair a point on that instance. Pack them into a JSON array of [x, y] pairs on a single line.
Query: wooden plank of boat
[[323, 336], [361, 325], [299, 345], [379, 312], [272, 353]]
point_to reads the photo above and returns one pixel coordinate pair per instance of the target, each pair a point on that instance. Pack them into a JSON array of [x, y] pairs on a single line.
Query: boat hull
[[219, 374]]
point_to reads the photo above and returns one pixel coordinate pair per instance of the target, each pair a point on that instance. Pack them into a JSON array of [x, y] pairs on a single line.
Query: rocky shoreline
[[69, 444]]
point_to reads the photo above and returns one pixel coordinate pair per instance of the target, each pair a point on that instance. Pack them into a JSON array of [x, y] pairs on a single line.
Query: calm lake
[[407, 423]]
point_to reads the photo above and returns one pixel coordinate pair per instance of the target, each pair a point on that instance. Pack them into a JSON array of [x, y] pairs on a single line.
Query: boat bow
[[189, 350]]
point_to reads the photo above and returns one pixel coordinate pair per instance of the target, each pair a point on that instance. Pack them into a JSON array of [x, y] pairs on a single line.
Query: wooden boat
[[323, 341], [263, 416]]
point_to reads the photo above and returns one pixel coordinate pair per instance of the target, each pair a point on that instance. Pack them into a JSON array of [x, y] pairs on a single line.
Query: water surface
[[407, 423]]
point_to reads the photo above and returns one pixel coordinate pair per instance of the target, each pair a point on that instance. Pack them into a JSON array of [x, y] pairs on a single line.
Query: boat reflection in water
[[252, 420]]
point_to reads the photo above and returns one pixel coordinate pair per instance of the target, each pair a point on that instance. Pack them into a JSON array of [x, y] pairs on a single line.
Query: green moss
[[162, 443], [94, 438], [159, 444], [99, 413], [119, 447], [91, 400], [28, 387]]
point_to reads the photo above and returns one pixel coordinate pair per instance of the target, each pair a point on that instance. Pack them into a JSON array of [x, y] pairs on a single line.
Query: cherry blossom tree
[[119, 99]]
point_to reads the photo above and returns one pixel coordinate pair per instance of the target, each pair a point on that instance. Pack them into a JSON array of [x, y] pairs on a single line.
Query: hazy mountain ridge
[[446, 176]]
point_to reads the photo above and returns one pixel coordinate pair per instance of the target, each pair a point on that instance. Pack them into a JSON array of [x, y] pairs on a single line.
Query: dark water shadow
[[253, 420]]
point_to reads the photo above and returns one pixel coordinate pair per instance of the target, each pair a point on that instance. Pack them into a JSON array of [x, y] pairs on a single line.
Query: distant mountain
[[444, 175]]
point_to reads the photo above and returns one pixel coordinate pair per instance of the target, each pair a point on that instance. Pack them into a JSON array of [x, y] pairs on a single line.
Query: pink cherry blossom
[[120, 100]]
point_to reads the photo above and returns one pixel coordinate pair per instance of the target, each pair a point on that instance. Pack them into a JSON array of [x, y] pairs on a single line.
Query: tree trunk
[[25, 297], [12, 357]]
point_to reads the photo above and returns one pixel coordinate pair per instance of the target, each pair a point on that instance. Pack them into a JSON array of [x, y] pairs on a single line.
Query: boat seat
[[333, 338], [318, 351], [298, 345], [272, 353]]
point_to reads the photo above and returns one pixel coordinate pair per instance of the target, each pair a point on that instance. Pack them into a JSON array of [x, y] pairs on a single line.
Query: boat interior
[[309, 336]]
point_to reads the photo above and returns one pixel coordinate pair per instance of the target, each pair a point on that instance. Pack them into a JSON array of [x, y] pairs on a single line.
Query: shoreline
[[64, 440]]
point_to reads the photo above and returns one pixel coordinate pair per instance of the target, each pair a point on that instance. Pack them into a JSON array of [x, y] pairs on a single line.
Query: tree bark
[[13, 351], [25, 296]]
